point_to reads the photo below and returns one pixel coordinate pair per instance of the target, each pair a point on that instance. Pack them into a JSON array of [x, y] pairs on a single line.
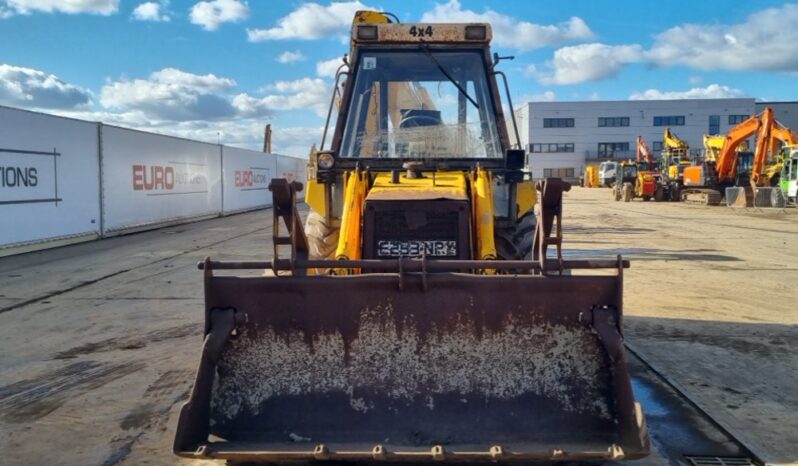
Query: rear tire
[[616, 193], [627, 192], [676, 192], [515, 242], [660, 194], [646, 198], [322, 236]]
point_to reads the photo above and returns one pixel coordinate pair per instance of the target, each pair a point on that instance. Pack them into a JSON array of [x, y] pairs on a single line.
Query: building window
[[669, 120], [558, 173], [714, 124], [608, 148], [558, 122], [656, 146], [548, 148], [613, 121], [736, 119]]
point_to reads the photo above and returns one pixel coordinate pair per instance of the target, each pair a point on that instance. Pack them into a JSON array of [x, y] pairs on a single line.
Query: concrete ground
[[99, 341]]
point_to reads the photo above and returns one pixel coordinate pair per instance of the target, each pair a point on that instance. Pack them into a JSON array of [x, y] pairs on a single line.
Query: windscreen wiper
[[426, 50]]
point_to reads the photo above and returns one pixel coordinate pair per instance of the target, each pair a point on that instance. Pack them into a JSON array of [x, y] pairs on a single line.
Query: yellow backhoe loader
[[675, 156], [425, 312]]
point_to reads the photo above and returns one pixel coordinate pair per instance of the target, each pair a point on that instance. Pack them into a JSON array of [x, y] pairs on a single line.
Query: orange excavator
[[706, 182]]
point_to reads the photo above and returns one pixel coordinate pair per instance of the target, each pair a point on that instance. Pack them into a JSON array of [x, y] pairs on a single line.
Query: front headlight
[[326, 161]]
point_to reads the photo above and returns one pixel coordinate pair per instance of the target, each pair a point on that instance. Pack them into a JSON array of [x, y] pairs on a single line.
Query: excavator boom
[[643, 152], [726, 164], [764, 135]]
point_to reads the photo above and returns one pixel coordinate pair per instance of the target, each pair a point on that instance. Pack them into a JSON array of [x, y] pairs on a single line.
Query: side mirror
[[515, 159]]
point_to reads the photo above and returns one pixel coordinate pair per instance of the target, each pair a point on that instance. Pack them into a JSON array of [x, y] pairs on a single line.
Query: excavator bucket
[[412, 365]]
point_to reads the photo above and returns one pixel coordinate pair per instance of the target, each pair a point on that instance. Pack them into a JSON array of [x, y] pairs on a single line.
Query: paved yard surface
[[99, 341]]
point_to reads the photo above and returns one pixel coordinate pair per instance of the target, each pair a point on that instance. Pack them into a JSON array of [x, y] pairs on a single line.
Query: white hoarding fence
[[65, 180], [292, 169], [247, 175], [150, 179], [49, 178]]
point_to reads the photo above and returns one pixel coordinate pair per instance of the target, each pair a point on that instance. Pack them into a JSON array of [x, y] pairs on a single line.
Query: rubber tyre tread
[[626, 192], [515, 242], [322, 237]]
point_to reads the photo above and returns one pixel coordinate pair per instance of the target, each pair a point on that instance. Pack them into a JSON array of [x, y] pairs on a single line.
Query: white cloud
[[207, 81], [765, 41], [247, 133], [290, 57], [311, 21], [211, 14], [150, 11], [547, 96], [30, 88], [174, 95], [753, 45], [328, 68], [26, 7], [240, 132], [712, 91], [299, 94], [589, 62], [509, 32], [178, 96]]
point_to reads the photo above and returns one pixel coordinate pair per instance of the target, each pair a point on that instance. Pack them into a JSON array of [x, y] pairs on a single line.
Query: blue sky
[[224, 68]]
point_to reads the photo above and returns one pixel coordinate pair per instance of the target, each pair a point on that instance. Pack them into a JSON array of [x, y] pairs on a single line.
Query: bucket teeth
[[379, 452], [321, 452], [496, 452]]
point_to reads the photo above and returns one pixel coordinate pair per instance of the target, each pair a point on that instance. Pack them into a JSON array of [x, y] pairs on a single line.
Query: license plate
[[415, 248]]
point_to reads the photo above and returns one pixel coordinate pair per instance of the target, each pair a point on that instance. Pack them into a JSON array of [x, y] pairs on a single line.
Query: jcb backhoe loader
[[419, 319]]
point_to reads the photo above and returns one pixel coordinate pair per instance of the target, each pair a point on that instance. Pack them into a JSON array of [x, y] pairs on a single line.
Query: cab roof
[[413, 33]]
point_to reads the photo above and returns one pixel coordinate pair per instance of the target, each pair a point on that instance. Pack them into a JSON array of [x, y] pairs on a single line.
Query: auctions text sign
[[28, 177]]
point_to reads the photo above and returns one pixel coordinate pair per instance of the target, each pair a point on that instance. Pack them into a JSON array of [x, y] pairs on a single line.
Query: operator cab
[[413, 93], [745, 163], [429, 104]]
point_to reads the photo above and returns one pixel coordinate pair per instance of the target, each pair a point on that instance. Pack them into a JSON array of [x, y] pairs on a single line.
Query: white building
[[561, 138], [786, 112]]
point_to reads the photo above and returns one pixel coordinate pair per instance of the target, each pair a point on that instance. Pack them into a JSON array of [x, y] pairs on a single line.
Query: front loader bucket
[[415, 367]]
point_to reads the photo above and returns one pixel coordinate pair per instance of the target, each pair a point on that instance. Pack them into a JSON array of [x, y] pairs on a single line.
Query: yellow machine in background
[[713, 144], [782, 141], [675, 156], [591, 177]]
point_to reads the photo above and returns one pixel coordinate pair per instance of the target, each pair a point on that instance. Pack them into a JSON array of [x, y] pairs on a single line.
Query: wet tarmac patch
[[171, 387], [652, 254], [122, 448], [130, 342], [34, 398]]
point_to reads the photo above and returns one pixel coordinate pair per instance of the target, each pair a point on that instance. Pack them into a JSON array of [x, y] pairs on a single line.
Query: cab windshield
[[421, 104]]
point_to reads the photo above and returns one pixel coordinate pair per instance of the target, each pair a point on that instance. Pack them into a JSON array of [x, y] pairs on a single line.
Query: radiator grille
[[435, 232]]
